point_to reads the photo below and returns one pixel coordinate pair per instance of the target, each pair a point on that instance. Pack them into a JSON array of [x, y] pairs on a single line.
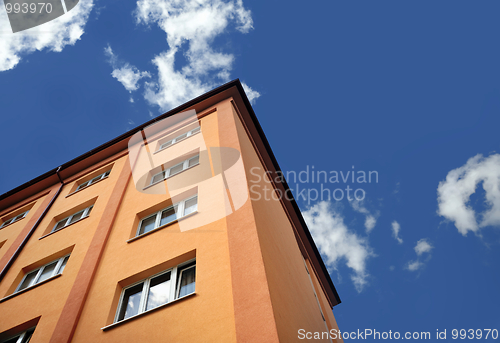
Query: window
[[168, 215], [94, 180], [43, 273], [73, 218], [179, 138], [157, 290], [175, 169], [21, 338], [14, 219]]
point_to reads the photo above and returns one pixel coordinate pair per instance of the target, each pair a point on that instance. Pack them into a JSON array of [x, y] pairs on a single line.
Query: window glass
[[159, 289], [61, 224], [28, 279], [176, 169], [156, 291], [158, 177], [83, 185], [131, 302], [168, 215], [191, 206], [187, 281], [47, 271], [184, 135], [194, 161], [7, 222], [147, 224], [195, 130], [63, 265], [27, 337], [166, 144], [76, 217]]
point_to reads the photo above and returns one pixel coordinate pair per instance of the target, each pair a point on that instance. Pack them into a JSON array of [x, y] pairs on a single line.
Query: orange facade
[[160, 236]]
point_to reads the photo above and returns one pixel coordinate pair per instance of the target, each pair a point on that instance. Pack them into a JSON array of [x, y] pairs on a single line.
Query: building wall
[[292, 295], [251, 280]]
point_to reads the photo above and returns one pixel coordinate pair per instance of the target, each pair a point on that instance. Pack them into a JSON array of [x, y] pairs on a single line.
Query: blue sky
[[410, 90]]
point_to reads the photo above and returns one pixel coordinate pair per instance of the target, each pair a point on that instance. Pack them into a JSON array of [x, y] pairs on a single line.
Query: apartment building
[[160, 235]]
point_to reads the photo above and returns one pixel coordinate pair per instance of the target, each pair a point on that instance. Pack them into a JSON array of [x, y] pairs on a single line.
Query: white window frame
[[93, 180], [68, 219], [39, 272], [179, 214], [167, 173], [173, 291], [21, 337], [14, 219], [179, 139]]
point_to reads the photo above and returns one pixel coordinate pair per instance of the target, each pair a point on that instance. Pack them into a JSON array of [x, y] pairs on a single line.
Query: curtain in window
[[187, 282]]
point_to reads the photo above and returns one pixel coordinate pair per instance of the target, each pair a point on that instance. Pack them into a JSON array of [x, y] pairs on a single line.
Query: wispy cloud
[[395, 231], [422, 247], [337, 243], [128, 75], [53, 35], [251, 94], [370, 219], [191, 27], [454, 194]]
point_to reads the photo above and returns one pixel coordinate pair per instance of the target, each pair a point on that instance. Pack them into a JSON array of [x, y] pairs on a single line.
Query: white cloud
[[422, 247], [370, 219], [251, 94], [125, 73], [53, 35], [337, 243], [414, 265], [454, 194], [395, 231], [195, 23]]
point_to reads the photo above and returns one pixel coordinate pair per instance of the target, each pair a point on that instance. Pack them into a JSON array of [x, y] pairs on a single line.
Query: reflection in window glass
[[191, 206], [159, 289], [131, 302], [147, 224], [47, 271], [28, 280], [168, 215]]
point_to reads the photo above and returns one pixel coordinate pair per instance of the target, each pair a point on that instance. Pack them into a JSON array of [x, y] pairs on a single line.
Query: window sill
[[29, 288], [157, 182], [182, 140], [146, 312], [161, 227], [53, 232], [81, 189]]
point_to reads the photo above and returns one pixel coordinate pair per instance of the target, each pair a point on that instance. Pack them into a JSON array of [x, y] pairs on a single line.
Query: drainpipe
[[30, 233]]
